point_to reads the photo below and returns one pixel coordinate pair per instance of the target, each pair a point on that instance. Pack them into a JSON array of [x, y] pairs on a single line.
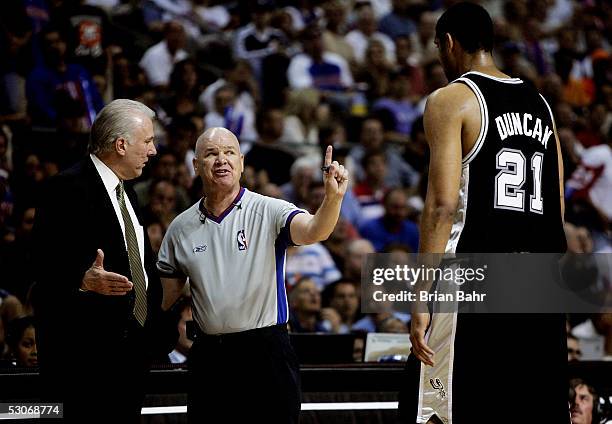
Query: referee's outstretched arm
[[307, 228]]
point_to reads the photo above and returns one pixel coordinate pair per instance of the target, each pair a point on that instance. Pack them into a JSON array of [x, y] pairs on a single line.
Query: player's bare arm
[[307, 228], [445, 126]]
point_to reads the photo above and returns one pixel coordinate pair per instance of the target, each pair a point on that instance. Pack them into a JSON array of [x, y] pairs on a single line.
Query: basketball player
[[495, 185]]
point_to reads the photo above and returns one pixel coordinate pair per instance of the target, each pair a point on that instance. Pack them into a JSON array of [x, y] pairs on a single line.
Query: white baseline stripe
[[315, 406]]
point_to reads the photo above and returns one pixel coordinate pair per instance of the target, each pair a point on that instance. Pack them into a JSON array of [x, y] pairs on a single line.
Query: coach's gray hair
[[115, 120]]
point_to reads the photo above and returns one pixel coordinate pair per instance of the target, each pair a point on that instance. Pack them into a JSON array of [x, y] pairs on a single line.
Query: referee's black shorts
[[251, 376]]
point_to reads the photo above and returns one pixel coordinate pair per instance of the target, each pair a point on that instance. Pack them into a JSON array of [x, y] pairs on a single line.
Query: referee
[[231, 245]]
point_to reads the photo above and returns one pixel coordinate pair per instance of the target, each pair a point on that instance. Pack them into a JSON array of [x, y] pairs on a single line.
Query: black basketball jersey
[[509, 191]]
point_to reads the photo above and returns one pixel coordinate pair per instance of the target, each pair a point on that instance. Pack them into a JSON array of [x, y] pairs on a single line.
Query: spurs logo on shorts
[[439, 386]]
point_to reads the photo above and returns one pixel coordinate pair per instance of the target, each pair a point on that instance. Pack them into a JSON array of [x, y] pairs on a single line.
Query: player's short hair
[[468, 23]]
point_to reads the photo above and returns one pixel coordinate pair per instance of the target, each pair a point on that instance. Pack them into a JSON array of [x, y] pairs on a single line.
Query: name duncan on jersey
[[510, 124]]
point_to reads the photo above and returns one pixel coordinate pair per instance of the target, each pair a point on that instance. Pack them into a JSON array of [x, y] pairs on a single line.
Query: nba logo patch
[[242, 240]]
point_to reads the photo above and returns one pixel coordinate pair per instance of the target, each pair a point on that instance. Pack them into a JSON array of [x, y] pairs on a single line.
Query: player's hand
[[418, 326], [97, 280], [335, 176]]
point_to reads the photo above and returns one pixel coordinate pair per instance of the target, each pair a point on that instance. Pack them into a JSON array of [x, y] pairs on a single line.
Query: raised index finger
[[328, 156]]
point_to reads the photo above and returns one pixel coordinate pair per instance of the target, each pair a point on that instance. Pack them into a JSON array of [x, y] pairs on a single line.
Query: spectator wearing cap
[[158, 61], [316, 67]]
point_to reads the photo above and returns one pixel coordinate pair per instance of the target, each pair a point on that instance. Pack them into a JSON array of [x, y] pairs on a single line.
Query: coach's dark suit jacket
[[86, 339]]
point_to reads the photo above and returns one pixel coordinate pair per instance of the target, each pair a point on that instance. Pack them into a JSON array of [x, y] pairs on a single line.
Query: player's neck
[[217, 202], [482, 62]]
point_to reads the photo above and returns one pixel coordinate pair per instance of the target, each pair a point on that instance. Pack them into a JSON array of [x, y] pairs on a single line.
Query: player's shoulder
[[450, 98]]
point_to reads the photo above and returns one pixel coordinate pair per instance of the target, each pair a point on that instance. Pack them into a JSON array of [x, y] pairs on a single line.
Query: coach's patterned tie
[[138, 278]]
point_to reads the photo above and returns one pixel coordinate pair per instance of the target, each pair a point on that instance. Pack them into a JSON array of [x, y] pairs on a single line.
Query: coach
[[98, 296], [231, 245]]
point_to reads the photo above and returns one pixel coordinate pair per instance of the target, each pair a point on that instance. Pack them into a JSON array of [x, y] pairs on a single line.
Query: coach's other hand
[[97, 280], [418, 326], [336, 177]]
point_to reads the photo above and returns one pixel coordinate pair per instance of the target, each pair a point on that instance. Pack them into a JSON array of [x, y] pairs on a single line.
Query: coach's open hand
[[96, 279], [336, 177]]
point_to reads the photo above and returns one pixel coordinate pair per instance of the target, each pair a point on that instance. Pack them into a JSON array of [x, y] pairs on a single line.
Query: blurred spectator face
[[356, 251], [392, 325], [189, 76], [163, 199], [375, 54], [301, 181], [565, 115], [573, 349], [335, 14], [567, 39], [271, 190], [25, 353], [358, 347], [403, 49], [427, 25], [376, 168], [305, 297], [345, 301], [33, 169], [366, 22], [273, 123], [401, 87], [166, 167], [155, 232], [315, 197], [27, 222], [372, 134], [240, 74], [175, 36], [224, 98], [261, 18], [582, 406], [436, 77], [396, 208], [54, 47], [312, 42], [183, 177]]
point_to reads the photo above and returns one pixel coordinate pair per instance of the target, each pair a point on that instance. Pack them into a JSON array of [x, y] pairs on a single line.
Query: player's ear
[[449, 41]]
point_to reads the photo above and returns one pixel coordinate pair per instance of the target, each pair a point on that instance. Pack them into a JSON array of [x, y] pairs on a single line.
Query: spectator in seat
[[21, 340], [158, 61], [306, 314], [573, 348], [342, 296], [584, 400], [393, 226]]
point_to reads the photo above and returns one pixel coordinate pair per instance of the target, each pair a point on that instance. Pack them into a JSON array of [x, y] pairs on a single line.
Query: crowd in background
[[288, 78]]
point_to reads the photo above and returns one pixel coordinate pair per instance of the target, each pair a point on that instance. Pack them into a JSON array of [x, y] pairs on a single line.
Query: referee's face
[[219, 161]]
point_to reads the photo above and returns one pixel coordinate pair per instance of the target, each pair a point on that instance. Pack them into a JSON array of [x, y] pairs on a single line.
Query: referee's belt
[[194, 333]]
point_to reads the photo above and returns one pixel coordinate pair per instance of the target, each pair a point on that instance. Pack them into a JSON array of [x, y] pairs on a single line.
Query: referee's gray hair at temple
[[115, 120]]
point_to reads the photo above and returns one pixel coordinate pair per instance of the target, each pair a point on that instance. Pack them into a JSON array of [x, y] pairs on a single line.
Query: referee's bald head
[[215, 134]]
